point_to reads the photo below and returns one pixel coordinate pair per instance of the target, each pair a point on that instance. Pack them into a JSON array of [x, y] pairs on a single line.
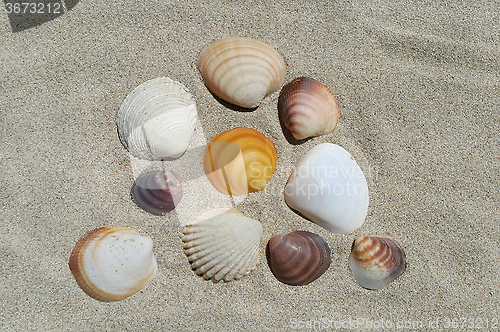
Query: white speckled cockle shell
[[328, 187], [113, 263], [157, 119], [222, 244]]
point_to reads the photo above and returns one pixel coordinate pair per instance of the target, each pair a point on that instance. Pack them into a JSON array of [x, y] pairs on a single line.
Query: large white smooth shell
[[329, 188], [157, 119], [112, 263], [241, 70], [222, 244]]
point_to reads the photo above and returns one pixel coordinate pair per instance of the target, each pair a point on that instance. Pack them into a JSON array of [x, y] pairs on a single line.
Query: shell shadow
[[298, 213], [268, 257], [233, 107]]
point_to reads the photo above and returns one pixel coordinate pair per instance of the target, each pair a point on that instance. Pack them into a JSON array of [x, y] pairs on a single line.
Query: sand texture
[[419, 93]]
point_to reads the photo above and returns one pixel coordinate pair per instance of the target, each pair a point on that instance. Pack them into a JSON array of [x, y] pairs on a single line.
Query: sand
[[418, 85]]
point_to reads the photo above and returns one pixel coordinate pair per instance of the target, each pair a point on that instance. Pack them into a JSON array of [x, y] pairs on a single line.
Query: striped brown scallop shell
[[376, 261], [298, 258], [157, 192], [239, 161], [242, 71], [308, 108]]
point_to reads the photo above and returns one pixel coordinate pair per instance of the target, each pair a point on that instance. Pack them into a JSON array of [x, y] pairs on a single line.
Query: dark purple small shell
[[157, 192], [298, 258]]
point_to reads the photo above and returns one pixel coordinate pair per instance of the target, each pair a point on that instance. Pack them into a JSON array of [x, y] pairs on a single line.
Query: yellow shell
[[239, 161], [242, 71], [112, 263]]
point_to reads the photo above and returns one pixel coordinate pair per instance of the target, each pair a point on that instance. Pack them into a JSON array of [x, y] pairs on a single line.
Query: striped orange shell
[[376, 261]]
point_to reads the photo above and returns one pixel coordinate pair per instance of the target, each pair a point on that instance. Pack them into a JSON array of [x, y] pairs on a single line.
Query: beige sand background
[[418, 84]]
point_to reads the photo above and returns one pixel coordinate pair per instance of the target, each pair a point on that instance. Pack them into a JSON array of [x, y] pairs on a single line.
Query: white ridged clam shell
[[157, 119], [222, 244], [242, 71], [113, 263], [328, 187]]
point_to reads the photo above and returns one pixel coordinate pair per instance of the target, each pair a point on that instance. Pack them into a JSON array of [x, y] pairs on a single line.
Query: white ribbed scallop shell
[[222, 244], [242, 71], [157, 119], [329, 188], [112, 263]]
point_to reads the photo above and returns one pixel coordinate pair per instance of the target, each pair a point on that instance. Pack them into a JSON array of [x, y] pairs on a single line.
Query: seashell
[[242, 71], [239, 161], [329, 188], [157, 119], [112, 263], [308, 108], [376, 261], [298, 258], [157, 192], [222, 244]]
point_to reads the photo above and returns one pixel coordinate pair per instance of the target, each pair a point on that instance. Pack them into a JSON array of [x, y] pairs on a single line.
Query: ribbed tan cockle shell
[[222, 244], [242, 71]]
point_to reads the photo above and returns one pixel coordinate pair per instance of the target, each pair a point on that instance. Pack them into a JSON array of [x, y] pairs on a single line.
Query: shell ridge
[[384, 267]]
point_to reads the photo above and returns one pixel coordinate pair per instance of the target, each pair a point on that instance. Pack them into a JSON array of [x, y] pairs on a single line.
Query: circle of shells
[[156, 122]]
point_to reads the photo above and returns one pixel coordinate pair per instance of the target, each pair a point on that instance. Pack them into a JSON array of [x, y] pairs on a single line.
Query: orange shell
[[239, 161]]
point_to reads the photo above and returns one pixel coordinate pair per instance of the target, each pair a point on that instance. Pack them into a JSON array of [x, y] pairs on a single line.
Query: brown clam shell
[[298, 258], [376, 261], [308, 108], [157, 192]]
